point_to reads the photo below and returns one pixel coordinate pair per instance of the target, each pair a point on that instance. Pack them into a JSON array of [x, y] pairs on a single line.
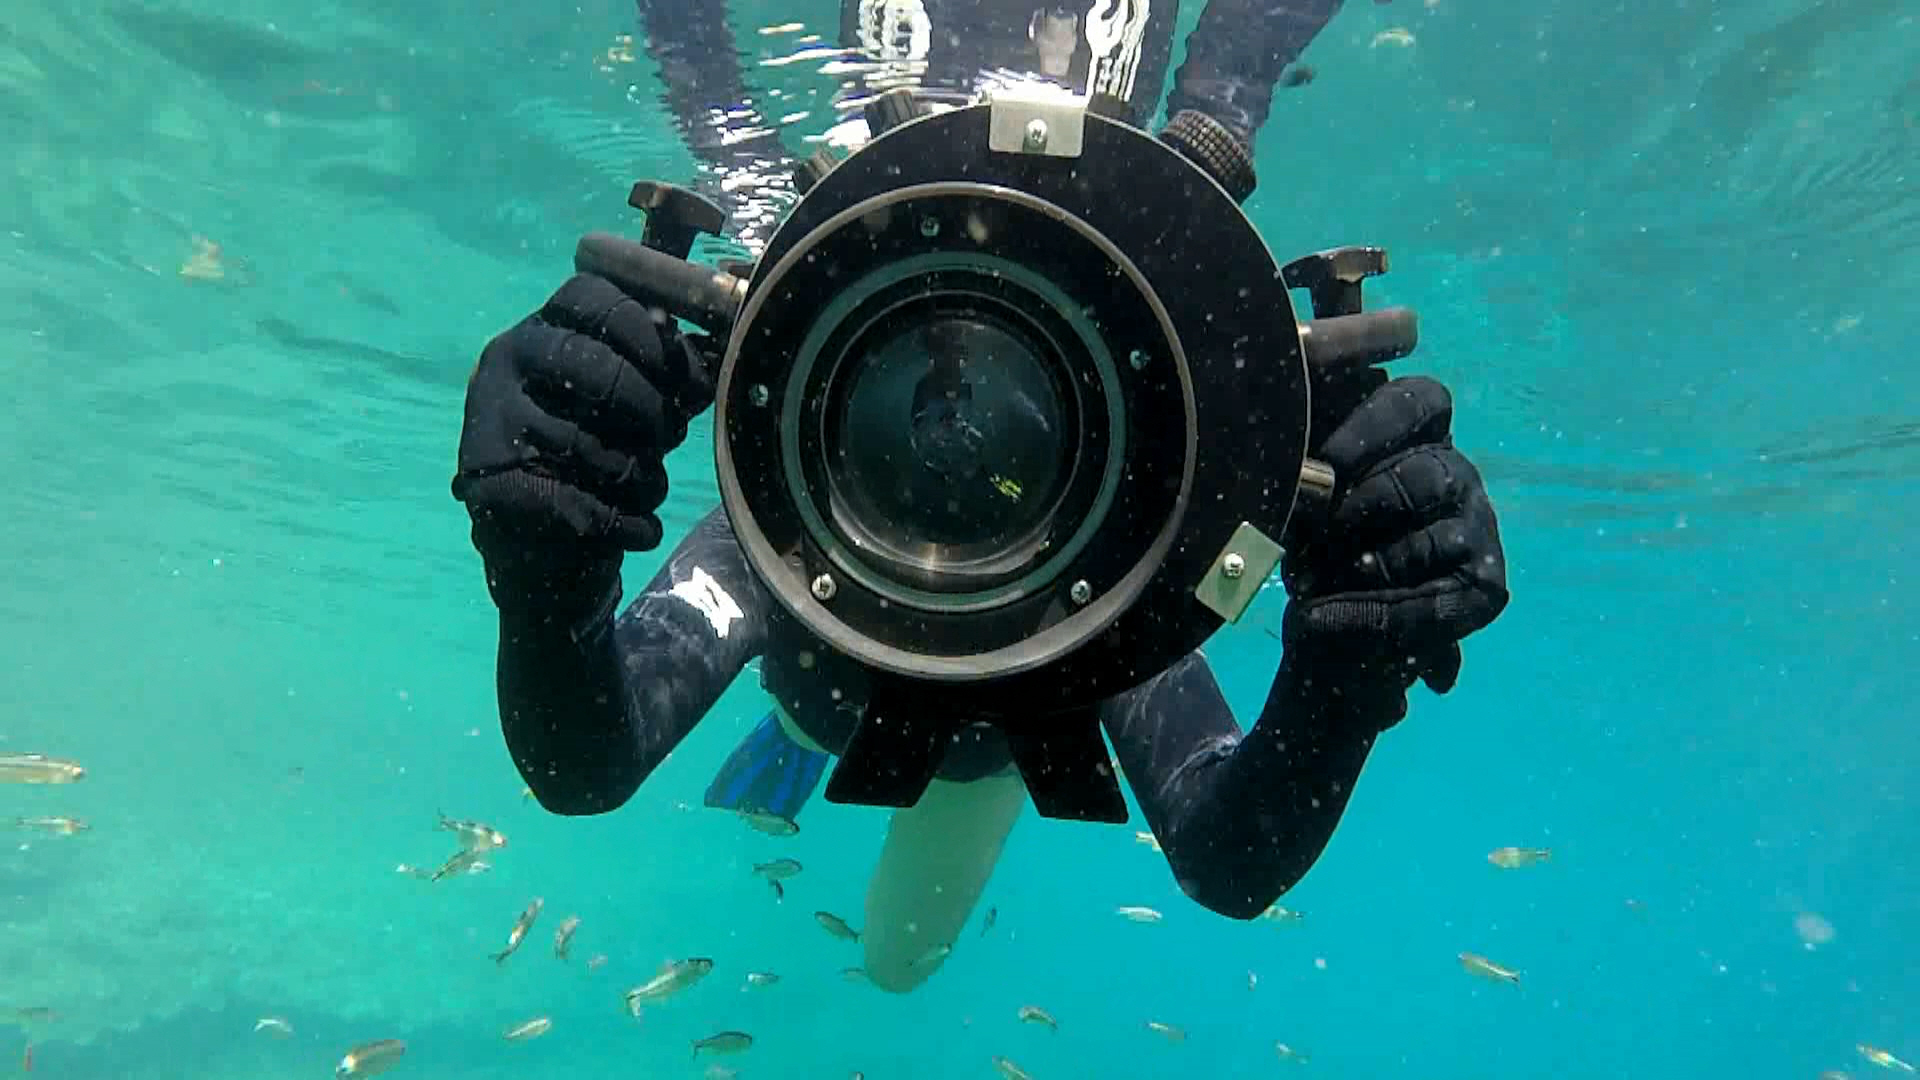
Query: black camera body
[[1014, 413]]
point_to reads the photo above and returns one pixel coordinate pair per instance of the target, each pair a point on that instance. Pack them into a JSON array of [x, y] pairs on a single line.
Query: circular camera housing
[[979, 406]]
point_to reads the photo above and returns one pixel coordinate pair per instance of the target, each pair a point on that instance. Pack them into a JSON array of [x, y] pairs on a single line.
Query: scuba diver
[[569, 416]]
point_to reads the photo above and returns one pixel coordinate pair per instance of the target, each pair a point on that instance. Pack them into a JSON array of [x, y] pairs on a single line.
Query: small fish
[[519, 932], [531, 1029], [1297, 75], [474, 835], [563, 936], [717, 1071], [775, 872], [370, 1059], [1253, 980], [1288, 1053], [1398, 35], [275, 1026], [673, 977], [783, 28], [726, 1042], [855, 975], [413, 871], [1034, 1014], [932, 956], [462, 862], [59, 826], [1009, 1071], [597, 961], [1883, 1058], [986, 924], [1167, 1031], [38, 769], [1138, 914], [1147, 838], [1513, 858], [1279, 914], [836, 926], [761, 979], [1487, 969], [1835, 1074], [771, 824]]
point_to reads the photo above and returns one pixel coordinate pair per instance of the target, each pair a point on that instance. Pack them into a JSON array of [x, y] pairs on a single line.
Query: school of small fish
[[39, 770], [675, 977]]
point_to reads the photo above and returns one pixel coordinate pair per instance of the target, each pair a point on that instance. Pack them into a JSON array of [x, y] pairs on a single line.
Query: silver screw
[[1081, 592], [757, 393], [929, 227], [1138, 358], [1233, 566], [1036, 134], [824, 587]]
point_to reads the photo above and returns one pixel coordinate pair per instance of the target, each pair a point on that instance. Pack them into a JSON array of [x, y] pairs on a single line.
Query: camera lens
[[950, 439]]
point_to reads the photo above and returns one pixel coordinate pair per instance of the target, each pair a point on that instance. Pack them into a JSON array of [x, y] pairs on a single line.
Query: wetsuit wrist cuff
[[579, 596], [1340, 693]]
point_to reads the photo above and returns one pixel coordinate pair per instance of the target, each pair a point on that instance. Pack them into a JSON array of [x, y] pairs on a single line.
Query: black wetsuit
[[590, 710]]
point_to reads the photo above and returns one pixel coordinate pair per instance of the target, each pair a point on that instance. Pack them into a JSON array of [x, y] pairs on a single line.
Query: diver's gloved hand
[[1407, 561], [569, 418]]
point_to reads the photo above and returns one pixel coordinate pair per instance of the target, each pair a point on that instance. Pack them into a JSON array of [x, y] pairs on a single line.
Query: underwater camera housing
[[1001, 429]]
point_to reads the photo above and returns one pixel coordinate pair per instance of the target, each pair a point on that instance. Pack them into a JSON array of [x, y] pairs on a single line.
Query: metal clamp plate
[[1037, 119], [1238, 573]]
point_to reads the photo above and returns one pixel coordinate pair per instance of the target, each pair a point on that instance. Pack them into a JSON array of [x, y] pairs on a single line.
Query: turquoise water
[[1665, 258]]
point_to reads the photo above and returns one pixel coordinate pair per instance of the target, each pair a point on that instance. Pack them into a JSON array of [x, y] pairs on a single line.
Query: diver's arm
[[588, 713], [1241, 818], [706, 90], [1236, 54]]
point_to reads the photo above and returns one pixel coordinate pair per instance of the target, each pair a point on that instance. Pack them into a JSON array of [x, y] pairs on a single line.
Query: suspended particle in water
[[1814, 931]]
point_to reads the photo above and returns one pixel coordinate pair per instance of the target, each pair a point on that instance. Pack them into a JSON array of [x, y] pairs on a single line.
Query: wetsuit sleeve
[[706, 92], [589, 712], [1241, 818], [1236, 54]]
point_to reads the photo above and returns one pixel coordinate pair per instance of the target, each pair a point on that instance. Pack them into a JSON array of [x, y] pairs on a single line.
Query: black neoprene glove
[[569, 418], [1407, 561]]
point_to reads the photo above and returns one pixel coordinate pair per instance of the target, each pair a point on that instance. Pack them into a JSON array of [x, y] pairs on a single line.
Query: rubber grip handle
[[1349, 341], [704, 296]]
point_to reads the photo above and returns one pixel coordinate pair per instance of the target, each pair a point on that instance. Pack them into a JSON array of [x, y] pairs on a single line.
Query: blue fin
[[768, 773]]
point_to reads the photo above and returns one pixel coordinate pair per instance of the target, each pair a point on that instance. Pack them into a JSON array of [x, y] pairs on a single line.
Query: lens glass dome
[[950, 442]]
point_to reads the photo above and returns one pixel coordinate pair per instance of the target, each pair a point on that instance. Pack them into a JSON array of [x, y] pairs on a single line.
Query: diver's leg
[[933, 869]]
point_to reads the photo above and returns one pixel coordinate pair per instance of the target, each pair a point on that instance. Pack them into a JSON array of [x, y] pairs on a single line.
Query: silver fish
[[726, 1042], [519, 932]]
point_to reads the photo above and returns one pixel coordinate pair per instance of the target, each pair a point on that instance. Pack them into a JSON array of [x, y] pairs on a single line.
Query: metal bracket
[[1039, 119], [1238, 572]]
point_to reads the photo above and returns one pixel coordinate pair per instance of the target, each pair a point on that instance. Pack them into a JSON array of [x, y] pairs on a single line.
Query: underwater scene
[[260, 819]]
